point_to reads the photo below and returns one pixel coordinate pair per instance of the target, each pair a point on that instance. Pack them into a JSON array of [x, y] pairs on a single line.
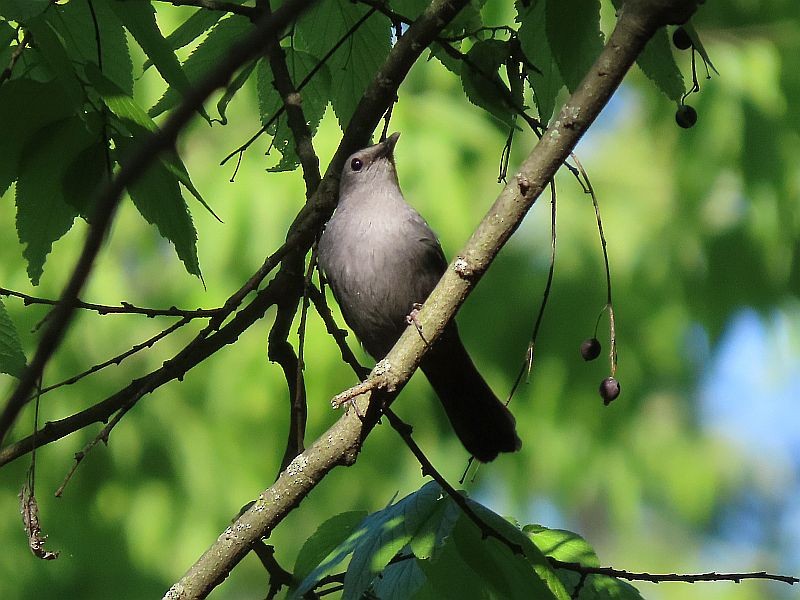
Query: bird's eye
[[356, 164]]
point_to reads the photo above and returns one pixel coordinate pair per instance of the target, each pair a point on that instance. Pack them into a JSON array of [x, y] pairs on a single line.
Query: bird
[[381, 259]]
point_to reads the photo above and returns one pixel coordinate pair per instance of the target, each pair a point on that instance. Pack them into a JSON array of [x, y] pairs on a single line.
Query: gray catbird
[[380, 258]]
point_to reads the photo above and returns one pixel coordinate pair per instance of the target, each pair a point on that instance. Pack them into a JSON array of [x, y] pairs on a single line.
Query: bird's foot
[[411, 319]]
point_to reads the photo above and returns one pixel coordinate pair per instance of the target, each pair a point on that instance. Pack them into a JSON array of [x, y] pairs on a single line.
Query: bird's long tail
[[483, 423]]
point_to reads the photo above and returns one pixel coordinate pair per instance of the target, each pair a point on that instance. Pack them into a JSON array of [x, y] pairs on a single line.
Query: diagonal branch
[[638, 20]]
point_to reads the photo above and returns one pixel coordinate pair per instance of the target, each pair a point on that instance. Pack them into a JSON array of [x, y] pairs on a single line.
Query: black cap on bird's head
[[370, 166]]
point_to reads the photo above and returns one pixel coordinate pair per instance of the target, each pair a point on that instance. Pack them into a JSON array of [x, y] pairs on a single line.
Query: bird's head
[[370, 170]]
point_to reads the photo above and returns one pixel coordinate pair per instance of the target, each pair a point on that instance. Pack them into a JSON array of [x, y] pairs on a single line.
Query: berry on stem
[[590, 349], [686, 116], [609, 390]]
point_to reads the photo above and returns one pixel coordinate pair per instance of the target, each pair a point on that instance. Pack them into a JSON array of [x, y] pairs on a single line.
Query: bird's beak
[[387, 145]]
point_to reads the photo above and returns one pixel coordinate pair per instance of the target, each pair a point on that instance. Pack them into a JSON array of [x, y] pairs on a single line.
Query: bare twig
[[665, 577], [124, 308], [116, 360]]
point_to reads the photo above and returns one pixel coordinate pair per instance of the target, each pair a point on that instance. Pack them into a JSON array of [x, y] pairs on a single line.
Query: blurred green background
[[695, 467]]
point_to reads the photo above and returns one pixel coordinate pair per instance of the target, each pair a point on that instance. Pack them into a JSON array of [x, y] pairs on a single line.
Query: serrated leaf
[[388, 531], [75, 24], [157, 196], [354, 64], [547, 82], [658, 63], [43, 215], [137, 123], [22, 10], [567, 546], [315, 97], [205, 56], [192, 28], [325, 539], [481, 80], [12, 358], [574, 36], [25, 107], [139, 19], [51, 47]]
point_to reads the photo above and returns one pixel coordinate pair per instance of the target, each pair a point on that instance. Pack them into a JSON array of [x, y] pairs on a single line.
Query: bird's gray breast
[[379, 261]]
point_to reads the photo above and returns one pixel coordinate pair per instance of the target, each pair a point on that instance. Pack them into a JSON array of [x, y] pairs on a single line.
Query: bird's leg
[[411, 319]]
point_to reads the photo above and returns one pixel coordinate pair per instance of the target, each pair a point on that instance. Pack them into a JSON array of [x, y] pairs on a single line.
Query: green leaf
[[205, 56], [157, 196], [387, 532], [75, 24], [325, 539], [481, 80], [22, 10], [315, 96], [192, 28], [12, 358], [546, 83], [83, 177], [355, 62], [433, 532], [574, 36], [567, 546], [374, 543], [399, 581], [25, 107], [658, 63], [137, 123], [140, 19], [471, 566], [51, 47], [43, 215]]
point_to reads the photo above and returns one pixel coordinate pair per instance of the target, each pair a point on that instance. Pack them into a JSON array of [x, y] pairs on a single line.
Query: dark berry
[[609, 390], [681, 39], [590, 349], [686, 116]]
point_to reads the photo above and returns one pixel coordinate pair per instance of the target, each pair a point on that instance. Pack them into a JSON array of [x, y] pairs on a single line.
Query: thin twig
[[116, 360], [15, 56], [124, 308], [404, 429], [665, 577]]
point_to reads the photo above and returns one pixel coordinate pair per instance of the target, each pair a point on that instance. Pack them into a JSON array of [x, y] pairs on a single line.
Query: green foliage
[[699, 224], [481, 80], [573, 33], [423, 547], [354, 63], [12, 358]]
